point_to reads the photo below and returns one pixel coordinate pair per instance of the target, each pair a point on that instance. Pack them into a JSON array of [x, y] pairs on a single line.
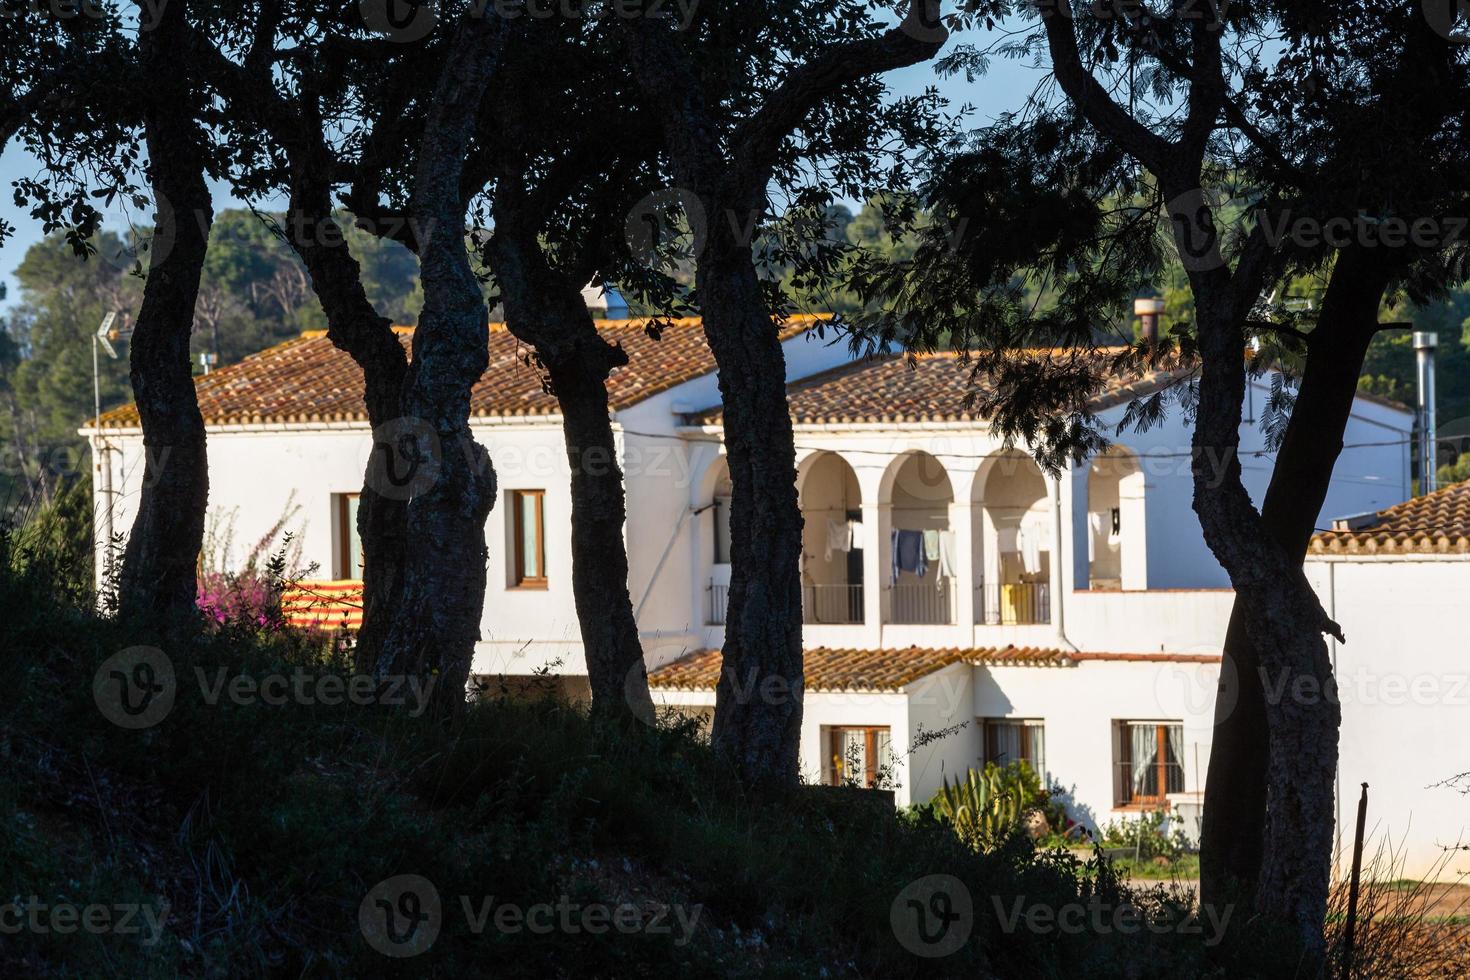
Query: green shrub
[[265, 828], [990, 804]]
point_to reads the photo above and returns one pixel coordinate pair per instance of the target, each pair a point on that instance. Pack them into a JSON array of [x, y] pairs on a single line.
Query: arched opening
[[921, 546], [715, 527], [1015, 549], [1115, 522], [832, 541]]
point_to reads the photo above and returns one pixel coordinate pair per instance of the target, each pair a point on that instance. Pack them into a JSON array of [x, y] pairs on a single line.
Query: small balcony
[[832, 605], [821, 605], [717, 603], [1013, 603], [922, 604]]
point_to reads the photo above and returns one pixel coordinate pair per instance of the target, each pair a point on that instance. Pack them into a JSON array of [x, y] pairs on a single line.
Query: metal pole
[[1348, 935], [1425, 345]]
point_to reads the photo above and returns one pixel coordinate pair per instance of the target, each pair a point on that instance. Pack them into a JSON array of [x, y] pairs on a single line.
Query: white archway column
[[876, 559], [1059, 493], [1078, 504], [1133, 522], [961, 516]]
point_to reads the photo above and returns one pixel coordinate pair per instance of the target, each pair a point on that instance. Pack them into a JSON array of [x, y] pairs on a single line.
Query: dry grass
[[1405, 929]]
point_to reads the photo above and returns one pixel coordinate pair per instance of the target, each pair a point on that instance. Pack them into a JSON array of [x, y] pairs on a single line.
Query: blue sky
[[1003, 89]]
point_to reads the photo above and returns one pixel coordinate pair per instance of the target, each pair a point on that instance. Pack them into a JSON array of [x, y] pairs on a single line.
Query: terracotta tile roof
[[930, 388], [1435, 524], [307, 380], [829, 669]]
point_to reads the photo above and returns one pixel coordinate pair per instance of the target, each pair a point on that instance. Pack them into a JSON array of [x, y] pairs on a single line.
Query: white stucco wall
[[1079, 705], [1404, 683]]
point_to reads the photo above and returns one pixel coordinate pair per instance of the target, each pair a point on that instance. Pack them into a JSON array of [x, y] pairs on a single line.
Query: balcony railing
[[824, 605], [1013, 603], [922, 604], [719, 601]]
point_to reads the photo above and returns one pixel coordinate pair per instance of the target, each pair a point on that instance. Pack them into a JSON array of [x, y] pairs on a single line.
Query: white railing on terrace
[[827, 605], [922, 604], [1013, 603]]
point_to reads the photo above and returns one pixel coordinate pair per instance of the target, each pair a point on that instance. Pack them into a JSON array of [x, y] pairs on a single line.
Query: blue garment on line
[[907, 548]]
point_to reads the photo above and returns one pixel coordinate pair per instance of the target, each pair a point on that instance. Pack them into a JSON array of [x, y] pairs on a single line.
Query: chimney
[[1148, 311], [1424, 347], [605, 302]]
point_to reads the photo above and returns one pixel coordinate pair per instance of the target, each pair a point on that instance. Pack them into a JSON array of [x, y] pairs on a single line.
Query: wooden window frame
[[345, 530], [518, 502], [1027, 726], [870, 752], [1124, 766]]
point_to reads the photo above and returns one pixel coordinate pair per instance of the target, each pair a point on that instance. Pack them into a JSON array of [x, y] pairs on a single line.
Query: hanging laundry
[[947, 562], [839, 537], [856, 529], [931, 545], [1006, 539], [1095, 527], [1033, 539], [908, 553]]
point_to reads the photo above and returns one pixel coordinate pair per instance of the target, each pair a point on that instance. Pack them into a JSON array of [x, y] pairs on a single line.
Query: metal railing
[[921, 605], [719, 602], [1013, 603], [832, 604]]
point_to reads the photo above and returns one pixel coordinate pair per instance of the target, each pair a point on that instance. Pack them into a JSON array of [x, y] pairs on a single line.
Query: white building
[[1398, 583], [1075, 622]]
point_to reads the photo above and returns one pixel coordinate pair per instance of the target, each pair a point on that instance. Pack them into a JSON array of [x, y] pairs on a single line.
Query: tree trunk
[[444, 577], [1285, 626], [159, 581], [355, 327], [1231, 844], [758, 703], [546, 310]]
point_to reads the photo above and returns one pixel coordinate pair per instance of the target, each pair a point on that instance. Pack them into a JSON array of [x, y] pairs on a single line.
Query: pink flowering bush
[[249, 594]]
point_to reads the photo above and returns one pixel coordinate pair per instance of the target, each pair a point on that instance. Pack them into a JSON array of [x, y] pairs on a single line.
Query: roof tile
[[308, 380], [829, 669], [1434, 524], [930, 388]]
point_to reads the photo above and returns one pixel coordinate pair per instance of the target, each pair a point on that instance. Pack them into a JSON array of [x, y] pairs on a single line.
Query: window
[[1010, 739], [528, 524], [1150, 762], [722, 530], [349, 542], [857, 756]]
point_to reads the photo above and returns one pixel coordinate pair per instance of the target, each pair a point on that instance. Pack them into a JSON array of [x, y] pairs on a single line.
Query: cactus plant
[[987, 805]]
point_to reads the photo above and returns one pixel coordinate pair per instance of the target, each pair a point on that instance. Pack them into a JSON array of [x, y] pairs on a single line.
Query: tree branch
[[1091, 98], [917, 39]]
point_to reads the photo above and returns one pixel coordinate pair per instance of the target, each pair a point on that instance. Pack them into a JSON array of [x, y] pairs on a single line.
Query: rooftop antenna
[[106, 333]]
